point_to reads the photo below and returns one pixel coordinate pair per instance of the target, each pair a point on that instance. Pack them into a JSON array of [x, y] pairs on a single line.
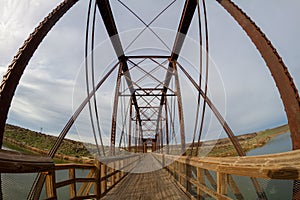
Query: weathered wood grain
[[147, 181], [16, 162]]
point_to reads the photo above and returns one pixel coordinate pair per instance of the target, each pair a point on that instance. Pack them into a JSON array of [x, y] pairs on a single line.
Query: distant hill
[[21, 137]]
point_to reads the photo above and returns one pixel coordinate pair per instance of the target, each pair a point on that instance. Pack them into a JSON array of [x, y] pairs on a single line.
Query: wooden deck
[[148, 182]]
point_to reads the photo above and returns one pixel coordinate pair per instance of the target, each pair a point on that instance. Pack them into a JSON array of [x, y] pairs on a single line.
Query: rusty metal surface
[[180, 109], [114, 114], [284, 82]]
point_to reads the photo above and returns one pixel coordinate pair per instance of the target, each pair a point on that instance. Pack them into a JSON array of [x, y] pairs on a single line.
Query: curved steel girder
[[15, 70], [284, 82]]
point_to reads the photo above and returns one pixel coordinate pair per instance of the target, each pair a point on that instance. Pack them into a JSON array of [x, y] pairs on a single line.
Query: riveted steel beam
[[284, 82]]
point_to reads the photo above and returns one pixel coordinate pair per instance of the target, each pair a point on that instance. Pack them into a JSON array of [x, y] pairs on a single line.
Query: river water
[[274, 189], [281, 143], [17, 186]]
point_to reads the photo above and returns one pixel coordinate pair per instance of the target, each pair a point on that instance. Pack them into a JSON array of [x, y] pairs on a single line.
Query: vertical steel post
[[129, 131], [115, 112], [180, 108], [161, 137], [136, 135], [167, 126]]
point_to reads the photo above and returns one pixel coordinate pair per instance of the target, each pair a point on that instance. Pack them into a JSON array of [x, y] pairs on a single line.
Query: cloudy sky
[[48, 92]]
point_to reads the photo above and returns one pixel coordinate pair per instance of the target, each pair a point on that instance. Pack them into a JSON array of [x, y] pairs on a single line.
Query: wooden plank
[[121, 167], [272, 166], [74, 165], [271, 159], [288, 173], [151, 185], [103, 182], [113, 174], [16, 162], [97, 186], [63, 183], [155, 184], [222, 183]]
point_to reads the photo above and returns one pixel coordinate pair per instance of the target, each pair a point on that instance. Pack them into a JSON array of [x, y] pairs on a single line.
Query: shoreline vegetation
[[28, 141]]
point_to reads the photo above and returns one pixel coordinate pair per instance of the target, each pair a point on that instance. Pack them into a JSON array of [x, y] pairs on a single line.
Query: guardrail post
[[121, 167], [182, 171], [222, 180], [50, 185], [117, 168], [73, 184], [201, 180], [174, 169], [113, 177], [103, 178], [97, 187]]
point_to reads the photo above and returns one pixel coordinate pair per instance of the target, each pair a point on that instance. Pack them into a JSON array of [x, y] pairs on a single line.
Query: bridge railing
[[101, 177], [213, 177]]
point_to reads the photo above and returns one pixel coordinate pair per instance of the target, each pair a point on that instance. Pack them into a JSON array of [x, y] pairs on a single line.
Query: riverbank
[[224, 147]]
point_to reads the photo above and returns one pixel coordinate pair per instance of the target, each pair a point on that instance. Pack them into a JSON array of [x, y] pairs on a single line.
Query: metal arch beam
[[284, 82], [184, 25], [111, 28], [110, 25], [15, 70], [185, 22]]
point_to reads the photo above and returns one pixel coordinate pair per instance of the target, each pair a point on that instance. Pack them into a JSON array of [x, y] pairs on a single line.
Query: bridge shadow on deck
[[147, 181]]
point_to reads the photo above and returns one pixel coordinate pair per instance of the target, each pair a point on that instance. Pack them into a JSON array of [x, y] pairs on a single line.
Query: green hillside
[[14, 135]]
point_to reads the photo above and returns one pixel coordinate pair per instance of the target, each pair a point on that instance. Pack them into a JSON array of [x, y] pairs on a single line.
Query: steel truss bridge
[[148, 97]]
